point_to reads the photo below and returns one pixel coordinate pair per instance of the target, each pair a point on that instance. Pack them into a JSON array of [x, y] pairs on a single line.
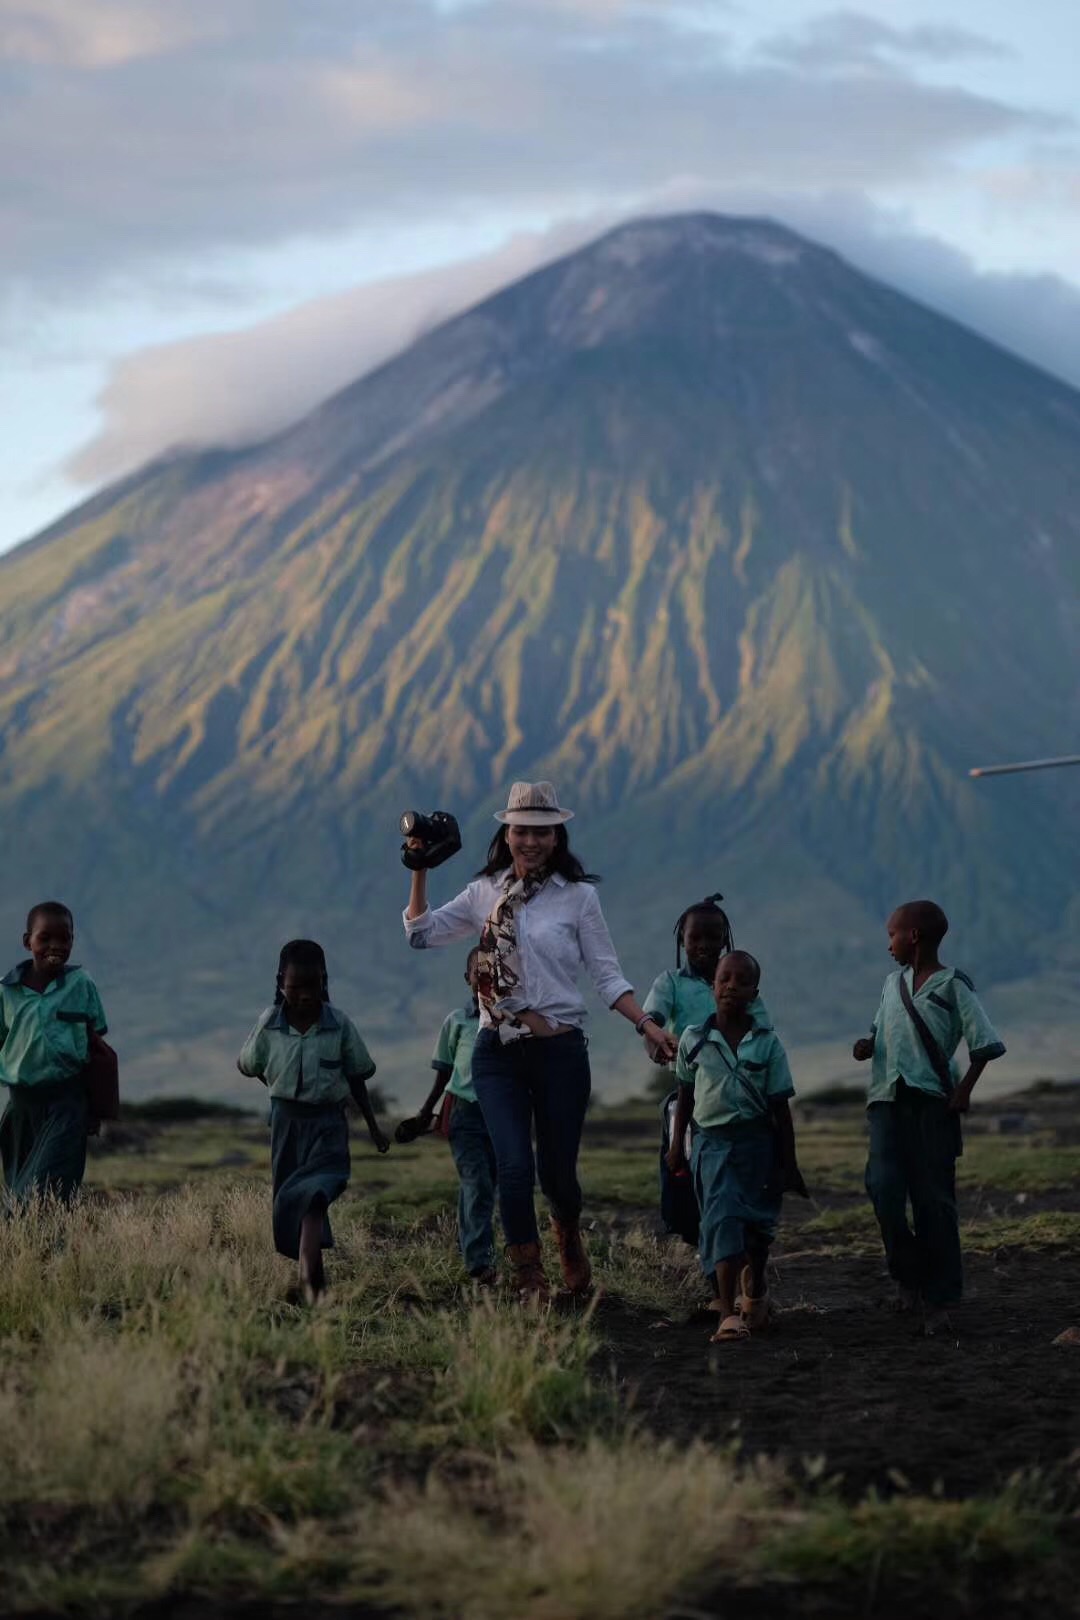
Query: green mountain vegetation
[[750, 554]]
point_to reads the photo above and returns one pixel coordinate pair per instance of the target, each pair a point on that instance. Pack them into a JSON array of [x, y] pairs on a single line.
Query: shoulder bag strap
[[938, 1061], [708, 1026]]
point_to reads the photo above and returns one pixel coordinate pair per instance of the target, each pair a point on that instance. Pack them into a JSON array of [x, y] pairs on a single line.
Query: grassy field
[[179, 1435]]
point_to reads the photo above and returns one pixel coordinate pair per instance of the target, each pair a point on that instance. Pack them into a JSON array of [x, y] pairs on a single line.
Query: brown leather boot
[[527, 1273], [576, 1270]]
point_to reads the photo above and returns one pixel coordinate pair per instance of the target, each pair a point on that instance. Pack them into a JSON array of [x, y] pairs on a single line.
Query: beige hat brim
[[533, 818]]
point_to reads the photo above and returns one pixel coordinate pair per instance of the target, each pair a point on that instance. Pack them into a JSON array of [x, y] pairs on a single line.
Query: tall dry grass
[[173, 1421]]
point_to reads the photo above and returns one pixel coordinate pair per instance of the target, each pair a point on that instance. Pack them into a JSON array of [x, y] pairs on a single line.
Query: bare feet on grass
[[312, 1273]]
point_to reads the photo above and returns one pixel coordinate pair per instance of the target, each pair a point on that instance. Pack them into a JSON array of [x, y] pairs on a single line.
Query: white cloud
[[156, 132], [237, 388], [94, 34], [839, 40], [232, 388]]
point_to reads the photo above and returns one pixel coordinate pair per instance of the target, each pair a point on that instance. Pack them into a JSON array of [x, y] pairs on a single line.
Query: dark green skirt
[[309, 1161], [43, 1140], [738, 1187]]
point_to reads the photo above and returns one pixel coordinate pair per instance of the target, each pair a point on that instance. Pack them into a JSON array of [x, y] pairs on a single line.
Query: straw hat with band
[[533, 804]]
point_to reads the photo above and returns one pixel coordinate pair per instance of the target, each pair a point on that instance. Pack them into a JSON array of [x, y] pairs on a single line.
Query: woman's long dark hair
[[564, 861]]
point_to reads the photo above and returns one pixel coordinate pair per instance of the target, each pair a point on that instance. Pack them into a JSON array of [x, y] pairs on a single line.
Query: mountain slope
[[750, 553]]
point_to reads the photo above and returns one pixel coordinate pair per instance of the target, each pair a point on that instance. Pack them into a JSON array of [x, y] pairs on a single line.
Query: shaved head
[[925, 918], [744, 960]]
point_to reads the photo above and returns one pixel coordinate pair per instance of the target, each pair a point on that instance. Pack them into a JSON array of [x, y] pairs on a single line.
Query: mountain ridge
[[723, 557]]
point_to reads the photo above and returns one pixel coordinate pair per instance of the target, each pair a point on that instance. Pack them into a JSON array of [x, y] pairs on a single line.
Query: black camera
[[438, 833]]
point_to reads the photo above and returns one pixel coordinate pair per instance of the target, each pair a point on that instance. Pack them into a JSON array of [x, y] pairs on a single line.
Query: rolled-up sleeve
[[456, 920], [685, 1071], [598, 953], [778, 1081], [96, 1011], [253, 1053], [660, 1000], [359, 1063], [984, 1044]]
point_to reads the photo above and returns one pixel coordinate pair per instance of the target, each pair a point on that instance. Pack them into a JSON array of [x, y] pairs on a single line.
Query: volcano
[[750, 554]]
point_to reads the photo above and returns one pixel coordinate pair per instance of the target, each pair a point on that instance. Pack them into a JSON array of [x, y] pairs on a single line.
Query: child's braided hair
[[301, 953], [709, 907]]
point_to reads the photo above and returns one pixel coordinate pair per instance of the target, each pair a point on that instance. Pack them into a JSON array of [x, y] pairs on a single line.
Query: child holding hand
[[734, 1081], [462, 1122], [680, 997], [683, 995], [311, 1058]]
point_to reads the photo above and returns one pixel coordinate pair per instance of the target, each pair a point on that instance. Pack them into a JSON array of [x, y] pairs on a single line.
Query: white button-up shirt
[[560, 928]]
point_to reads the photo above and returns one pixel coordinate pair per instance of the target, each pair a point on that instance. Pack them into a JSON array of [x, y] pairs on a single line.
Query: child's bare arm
[[359, 1091], [785, 1130], [427, 1110], [863, 1050], [409, 1129], [983, 1042], [960, 1097]]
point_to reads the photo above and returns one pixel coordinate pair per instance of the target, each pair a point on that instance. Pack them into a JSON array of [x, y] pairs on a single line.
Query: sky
[[213, 213]]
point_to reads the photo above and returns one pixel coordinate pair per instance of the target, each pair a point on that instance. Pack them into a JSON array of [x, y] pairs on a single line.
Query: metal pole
[[1026, 765]]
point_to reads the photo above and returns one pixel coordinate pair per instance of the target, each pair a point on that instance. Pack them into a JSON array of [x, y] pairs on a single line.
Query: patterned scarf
[[499, 963]]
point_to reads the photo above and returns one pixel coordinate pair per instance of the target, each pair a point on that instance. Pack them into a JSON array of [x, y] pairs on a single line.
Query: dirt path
[[841, 1377]]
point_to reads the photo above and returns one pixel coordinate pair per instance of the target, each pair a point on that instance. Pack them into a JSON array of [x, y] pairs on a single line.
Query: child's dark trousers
[[914, 1143], [474, 1157]]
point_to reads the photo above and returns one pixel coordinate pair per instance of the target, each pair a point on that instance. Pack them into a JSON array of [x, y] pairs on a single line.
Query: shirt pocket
[[68, 1034], [329, 1077]]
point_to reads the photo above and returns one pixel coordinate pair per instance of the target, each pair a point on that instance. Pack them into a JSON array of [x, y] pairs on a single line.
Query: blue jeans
[[475, 1159], [545, 1082], [914, 1143]]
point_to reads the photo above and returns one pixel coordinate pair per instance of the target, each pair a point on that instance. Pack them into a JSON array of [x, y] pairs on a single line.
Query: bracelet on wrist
[[646, 1018]]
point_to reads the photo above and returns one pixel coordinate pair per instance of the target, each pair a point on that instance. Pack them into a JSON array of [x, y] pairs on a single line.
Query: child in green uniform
[[915, 1101], [470, 1143], [311, 1058], [681, 997], [50, 1019], [734, 1082]]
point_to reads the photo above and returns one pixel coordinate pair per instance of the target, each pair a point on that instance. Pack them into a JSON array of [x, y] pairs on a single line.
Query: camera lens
[[408, 822]]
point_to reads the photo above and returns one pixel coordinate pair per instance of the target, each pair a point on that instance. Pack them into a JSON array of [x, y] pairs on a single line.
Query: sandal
[[754, 1312], [732, 1330]]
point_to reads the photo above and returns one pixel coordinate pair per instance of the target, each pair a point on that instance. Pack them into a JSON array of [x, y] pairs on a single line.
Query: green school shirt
[[44, 1034], [454, 1050], [314, 1067], [952, 1012], [732, 1086], [680, 997]]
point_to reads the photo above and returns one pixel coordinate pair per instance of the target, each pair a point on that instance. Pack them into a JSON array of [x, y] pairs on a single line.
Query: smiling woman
[[538, 917]]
